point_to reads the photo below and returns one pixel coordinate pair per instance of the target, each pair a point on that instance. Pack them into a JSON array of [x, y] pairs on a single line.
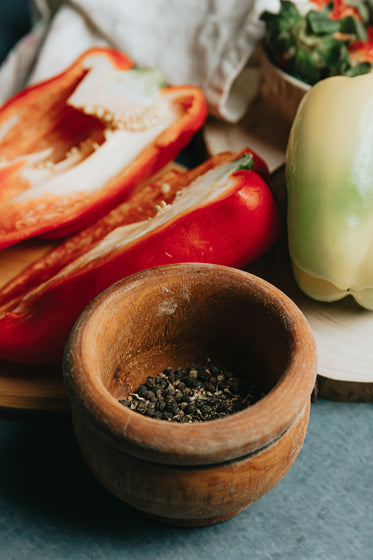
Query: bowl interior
[[178, 316]]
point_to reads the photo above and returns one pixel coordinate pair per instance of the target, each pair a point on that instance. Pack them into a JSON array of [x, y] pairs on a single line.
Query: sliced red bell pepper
[[223, 213], [76, 145], [144, 203]]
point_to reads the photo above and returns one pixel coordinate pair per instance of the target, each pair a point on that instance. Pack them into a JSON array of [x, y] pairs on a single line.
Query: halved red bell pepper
[[222, 212], [76, 145], [143, 204]]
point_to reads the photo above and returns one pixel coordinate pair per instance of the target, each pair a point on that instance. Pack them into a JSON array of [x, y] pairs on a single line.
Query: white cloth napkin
[[208, 43]]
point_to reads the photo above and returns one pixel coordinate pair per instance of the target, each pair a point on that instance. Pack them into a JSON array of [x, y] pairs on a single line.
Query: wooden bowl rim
[[296, 82], [215, 441]]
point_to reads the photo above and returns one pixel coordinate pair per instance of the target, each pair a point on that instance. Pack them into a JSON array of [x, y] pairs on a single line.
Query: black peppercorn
[[142, 390], [178, 396], [142, 406], [193, 373], [204, 374], [160, 405], [180, 373], [166, 415], [191, 408], [150, 396], [170, 390], [210, 387], [191, 394], [150, 383]]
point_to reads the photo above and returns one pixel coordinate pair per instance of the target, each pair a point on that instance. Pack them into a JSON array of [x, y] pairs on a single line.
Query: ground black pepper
[[192, 394]]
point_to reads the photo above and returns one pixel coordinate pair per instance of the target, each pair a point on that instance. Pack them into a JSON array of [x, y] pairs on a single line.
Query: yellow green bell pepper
[[329, 170]]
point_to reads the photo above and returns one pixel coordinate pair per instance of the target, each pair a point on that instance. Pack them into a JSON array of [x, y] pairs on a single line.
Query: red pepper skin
[[140, 206], [51, 123], [37, 94], [340, 9], [260, 166], [233, 229], [362, 51]]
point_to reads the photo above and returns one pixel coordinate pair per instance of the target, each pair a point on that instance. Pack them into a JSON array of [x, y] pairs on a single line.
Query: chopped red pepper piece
[[340, 9], [362, 51], [76, 145], [222, 213]]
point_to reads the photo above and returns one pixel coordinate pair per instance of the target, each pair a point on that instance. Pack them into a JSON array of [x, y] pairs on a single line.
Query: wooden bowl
[[283, 90], [197, 473]]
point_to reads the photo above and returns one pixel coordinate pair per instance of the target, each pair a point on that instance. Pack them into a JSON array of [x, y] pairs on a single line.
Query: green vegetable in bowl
[[315, 46]]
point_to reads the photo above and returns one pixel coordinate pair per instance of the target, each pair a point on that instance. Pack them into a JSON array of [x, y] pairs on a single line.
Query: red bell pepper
[[76, 145], [143, 204], [223, 213]]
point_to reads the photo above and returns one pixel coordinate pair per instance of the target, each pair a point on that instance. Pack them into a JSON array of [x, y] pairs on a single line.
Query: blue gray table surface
[[51, 507]]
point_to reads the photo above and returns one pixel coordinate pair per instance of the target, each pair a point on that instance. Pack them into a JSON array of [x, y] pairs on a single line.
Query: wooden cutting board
[[343, 330], [24, 386]]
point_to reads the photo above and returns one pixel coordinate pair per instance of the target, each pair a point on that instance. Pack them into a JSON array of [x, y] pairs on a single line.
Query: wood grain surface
[[24, 386]]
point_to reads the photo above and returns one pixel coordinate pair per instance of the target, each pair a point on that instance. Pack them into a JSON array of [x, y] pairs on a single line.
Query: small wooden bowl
[[198, 473]]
